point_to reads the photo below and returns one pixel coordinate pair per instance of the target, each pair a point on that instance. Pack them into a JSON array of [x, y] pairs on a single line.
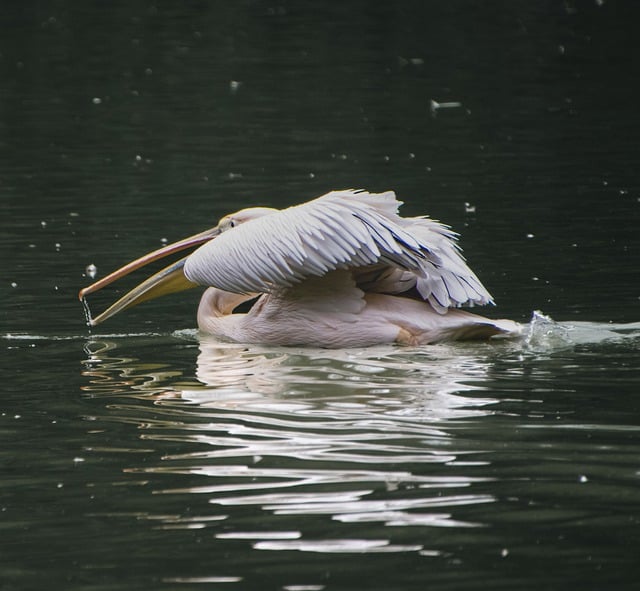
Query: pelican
[[342, 270]]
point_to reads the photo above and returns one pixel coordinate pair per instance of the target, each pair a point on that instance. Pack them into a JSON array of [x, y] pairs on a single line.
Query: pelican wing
[[451, 282], [340, 230]]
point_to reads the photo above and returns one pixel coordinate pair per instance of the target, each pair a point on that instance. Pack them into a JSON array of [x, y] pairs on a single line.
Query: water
[[141, 456], [176, 460]]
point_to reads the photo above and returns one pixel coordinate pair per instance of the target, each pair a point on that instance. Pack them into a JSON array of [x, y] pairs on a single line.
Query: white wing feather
[[340, 230]]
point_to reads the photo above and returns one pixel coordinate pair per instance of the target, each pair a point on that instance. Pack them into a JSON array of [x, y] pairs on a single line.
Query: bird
[[342, 270]]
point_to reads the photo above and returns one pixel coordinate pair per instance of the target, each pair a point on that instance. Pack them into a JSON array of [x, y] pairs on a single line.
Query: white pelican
[[342, 270]]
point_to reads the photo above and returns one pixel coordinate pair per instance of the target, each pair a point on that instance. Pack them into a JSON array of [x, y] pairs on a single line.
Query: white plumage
[[340, 230], [341, 270]]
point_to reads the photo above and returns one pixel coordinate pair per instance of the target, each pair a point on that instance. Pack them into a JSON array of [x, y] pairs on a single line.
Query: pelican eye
[[226, 224]]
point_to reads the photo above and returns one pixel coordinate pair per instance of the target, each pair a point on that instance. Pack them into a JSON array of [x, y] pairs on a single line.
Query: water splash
[[545, 334]]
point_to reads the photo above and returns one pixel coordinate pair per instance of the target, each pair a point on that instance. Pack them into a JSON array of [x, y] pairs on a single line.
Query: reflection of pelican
[[381, 381], [399, 381], [343, 270]]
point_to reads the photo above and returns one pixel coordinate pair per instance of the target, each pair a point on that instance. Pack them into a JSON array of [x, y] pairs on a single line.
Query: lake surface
[[142, 455]]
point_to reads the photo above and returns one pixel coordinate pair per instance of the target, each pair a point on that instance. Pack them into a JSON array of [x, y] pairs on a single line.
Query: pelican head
[[240, 217], [171, 279]]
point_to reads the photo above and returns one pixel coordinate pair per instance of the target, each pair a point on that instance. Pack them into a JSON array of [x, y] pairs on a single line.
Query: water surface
[[141, 456], [176, 461]]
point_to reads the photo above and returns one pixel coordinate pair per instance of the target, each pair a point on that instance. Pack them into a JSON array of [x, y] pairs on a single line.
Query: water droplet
[[234, 86], [435, 106], [91, 270], [14, 284], [530, 236], [87, 312], [43, 224], [96, 100], [582, 478], [78, 460], [469, 208], [58, 246], [504, 552]]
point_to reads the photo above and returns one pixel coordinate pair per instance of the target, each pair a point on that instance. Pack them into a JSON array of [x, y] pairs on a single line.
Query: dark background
[[126, 451], [125, 123]]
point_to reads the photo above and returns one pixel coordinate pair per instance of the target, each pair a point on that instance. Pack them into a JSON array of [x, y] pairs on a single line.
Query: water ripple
[[378, 442], [349, 546]]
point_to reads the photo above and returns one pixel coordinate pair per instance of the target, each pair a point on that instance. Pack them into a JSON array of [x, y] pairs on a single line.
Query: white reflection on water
[[198, 580], [363, 439], [347, 434], [357, 546], [349, 379]]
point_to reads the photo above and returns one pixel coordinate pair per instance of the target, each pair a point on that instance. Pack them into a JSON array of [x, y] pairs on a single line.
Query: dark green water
[[142, 457]]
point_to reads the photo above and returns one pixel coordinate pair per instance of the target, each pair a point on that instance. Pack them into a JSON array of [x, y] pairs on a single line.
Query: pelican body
[[342, 270]]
